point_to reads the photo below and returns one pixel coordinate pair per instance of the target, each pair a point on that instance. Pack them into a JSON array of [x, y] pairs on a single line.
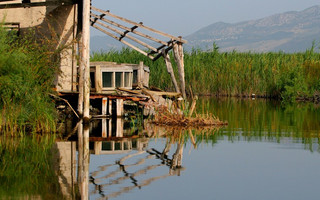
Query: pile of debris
[[176, 117]]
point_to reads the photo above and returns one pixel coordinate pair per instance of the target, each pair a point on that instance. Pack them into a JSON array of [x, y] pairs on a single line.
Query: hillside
[[290, 32]]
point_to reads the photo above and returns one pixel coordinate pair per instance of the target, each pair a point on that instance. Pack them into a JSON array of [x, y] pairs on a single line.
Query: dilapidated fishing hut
[[70, 21]]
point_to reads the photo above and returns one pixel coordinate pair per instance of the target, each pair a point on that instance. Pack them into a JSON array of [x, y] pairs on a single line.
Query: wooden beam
[[123, 34], [140, 25], [128, 29], [170, 70], [124, 42]]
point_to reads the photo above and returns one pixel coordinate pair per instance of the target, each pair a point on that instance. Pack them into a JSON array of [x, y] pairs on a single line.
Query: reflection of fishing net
[[167, 117]]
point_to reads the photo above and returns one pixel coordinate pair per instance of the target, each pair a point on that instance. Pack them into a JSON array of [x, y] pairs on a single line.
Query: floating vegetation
[[185, 118]]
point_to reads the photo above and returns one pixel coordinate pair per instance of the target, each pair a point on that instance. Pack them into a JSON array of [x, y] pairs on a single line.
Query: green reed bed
[[275, 74], [26, 77]]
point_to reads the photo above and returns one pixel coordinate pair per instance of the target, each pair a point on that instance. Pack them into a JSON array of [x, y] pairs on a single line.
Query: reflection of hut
[[120, 146], [113, 140]]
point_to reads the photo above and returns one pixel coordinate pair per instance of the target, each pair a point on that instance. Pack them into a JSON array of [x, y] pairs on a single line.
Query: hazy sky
[[183, 17]]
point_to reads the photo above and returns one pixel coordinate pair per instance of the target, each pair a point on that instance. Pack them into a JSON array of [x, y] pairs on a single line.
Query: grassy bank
[[276, 75], [26, 76]]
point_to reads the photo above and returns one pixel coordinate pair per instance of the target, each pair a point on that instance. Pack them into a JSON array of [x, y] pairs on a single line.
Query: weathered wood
[[98, 79], [128, 29], [104, 108], [124, 42], [178, 55], [140, 25], [85, 58], [145, 91], [141, 75], [170, 70], [123, 35], [74, 51], [193, 105], [130, 91], [80, 82], [120, 111], [67, 102], [169, 94]]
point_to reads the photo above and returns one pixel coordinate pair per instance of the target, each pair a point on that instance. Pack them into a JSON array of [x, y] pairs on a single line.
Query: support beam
[[85, 58], [179, 58], [96, 17], [170, 71], [125, 34], [124, 42], [139, 25]]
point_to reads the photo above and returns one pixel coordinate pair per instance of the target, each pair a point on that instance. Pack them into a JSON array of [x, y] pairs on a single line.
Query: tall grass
[[275, 74], [27, 72]]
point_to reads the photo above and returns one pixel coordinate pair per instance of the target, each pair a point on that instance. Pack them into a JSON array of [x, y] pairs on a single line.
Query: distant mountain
[[289, 32]]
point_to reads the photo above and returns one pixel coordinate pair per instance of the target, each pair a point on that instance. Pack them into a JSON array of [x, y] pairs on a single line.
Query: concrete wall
[[54, 23]]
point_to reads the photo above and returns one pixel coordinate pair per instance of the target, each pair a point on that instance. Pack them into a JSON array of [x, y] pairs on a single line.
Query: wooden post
[[170, 70], [104, 109], [178, 55], [141, 75], [98, 79], [119, 105], [85, 57]]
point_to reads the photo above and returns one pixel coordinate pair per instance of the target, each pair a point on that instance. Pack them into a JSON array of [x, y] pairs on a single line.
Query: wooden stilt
[[85, 57], [141, 75], [110, 107], [170, 70], [104, 106], [119, 104], [178, 55], [98, 79]]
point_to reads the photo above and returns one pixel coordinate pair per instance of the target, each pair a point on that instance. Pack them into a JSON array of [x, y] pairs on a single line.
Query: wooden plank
[[130, 91], [126, 35], [128, 29], [170, 94], [140, 25], [124, 42]]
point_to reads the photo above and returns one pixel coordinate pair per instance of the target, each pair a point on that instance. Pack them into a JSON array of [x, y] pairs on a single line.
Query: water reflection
[[135, 167], [115, 158]]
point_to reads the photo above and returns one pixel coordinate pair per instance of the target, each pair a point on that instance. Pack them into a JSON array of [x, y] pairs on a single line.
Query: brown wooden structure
[[69, 21]]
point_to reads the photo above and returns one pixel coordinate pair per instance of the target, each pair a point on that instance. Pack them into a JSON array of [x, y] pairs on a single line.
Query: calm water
[[268, 151]]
